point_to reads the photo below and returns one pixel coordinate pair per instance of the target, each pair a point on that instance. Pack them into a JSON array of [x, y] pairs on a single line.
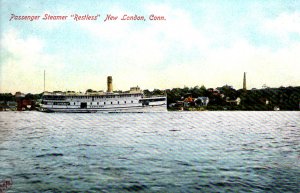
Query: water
[[151, 152]]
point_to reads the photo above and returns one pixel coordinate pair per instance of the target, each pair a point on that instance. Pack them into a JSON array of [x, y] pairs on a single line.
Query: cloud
[[176, 52], [143, 50], [23, 61], [283, 25], [225, 65], [263, 64], [188, 48]]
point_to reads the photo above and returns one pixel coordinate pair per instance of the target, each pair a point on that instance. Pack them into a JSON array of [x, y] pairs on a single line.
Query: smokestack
[[109, 84], [244, 82]]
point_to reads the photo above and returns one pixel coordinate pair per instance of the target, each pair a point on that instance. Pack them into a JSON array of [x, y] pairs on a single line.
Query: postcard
[[149, 96]]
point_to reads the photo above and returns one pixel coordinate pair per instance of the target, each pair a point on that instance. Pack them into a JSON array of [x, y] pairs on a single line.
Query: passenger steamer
[[131, 101]]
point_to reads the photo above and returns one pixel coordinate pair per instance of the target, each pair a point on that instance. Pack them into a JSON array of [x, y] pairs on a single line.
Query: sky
[[210, 43]]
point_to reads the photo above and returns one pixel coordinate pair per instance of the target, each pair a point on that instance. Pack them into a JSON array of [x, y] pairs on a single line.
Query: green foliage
[[286, 98], [89, 90], [147, 92], [157, 92], [33, 96], [7, 97]]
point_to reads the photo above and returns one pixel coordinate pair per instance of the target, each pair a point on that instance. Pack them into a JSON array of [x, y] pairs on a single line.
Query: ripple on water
[[50, 155], [223, 152], [135, 186]]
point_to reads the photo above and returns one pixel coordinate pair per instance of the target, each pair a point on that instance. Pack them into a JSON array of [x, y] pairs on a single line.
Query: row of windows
[[74, 103], [112, 103], [49, 97], [144, 101], [55, 103], [101, 97], [61, 103], [54, 97]]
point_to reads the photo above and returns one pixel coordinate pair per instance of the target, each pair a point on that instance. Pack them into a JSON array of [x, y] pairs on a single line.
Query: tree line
[[286, 98]]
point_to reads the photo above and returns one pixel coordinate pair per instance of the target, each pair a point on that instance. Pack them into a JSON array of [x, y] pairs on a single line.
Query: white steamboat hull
[[131, 109], [109, 102]]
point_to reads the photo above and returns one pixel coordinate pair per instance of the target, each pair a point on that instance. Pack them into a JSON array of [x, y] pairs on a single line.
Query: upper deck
[[65, 95]]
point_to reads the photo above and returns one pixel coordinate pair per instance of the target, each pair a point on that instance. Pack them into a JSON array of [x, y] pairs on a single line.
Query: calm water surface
[[151, 152]]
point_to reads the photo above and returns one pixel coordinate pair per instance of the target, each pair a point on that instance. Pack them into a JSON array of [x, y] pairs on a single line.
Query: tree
[[147, 92], [89, 90], [7, 97], [157, 92], [228, 91], [29, 96]]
